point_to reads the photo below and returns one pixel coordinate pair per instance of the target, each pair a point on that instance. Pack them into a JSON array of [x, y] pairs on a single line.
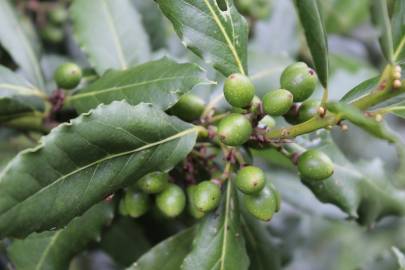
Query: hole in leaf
[[222, 5]]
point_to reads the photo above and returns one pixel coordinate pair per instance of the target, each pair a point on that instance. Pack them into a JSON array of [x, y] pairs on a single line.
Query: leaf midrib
[[118, 46], [144, 147], [48, 248], [22, 90], [225, 34], [225, 239], [121, 88]]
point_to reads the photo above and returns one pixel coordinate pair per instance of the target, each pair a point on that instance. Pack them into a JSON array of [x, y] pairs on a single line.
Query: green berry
[[153, 183], [192, 209], [239, 90], [52, 34], [136, 203], [58, 15], [235, 129], [277, 102], [292, 115], [267, 122], [250, 180], [207, 196], [308, 109], [68, 75], [300, 80], [189, 107], [315, 165], [171, 201], [277, 194], [262, 205]]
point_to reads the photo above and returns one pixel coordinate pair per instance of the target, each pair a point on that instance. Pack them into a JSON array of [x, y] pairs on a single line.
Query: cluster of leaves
[[120, 124]]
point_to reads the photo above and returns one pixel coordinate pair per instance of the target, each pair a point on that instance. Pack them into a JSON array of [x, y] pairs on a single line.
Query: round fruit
[[267, 122], [68, 76], [239, 90], [58, 15], [207, 196], [250, 180], [171, 201], [136, 203], [300, 80], [308, 109], [52, 34], [292, 115], [262, 205], [278, 196], [235, 129], [192, 209], [315, 165], [189, 107], [277, 102], [153, 183]]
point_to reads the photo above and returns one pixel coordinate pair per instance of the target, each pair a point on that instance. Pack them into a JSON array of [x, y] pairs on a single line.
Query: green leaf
[[18, 97], [219, 242], [125, 241], [398, 31], [362, 190], [262, 252], [14, 38], [55, 249], [161, 82], [311, 20], [380, 18], [218, 36], [153, 23], [81, 162], [110, 33], [168, 254], [358, 118], [360, 90]]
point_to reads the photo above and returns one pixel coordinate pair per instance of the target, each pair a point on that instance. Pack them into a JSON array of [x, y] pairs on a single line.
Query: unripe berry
[[136, 203], [262, 205], [267, 122], [235, 129], [189, 107], [239, 90], [192, 209], [58, 15], [277, 102], [315, 165], [250, 180], [171, 201], [68, 75], [52, 34], [300, 80], [207, 196], [308, 109], [153, 183]]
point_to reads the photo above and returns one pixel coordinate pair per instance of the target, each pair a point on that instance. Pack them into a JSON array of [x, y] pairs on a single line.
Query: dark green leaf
[[361, 90], [358, 118], [54, 249], [167, 255], [17, 96], [218, 36], [262, 252], [153, 23], [398, 31], [219, 242], [362, 190], [311, 20], [14, 38], [81, 162], [380, 17], [125, 241], [110, 33], [160, 82]]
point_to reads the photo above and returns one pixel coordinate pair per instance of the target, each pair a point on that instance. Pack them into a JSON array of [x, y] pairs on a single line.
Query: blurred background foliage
[[307, 234]]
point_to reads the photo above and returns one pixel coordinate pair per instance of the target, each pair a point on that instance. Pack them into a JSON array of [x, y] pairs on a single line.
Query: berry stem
[[330, 119]]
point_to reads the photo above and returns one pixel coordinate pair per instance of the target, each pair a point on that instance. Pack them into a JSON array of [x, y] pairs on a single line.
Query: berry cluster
[[244, 125]]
